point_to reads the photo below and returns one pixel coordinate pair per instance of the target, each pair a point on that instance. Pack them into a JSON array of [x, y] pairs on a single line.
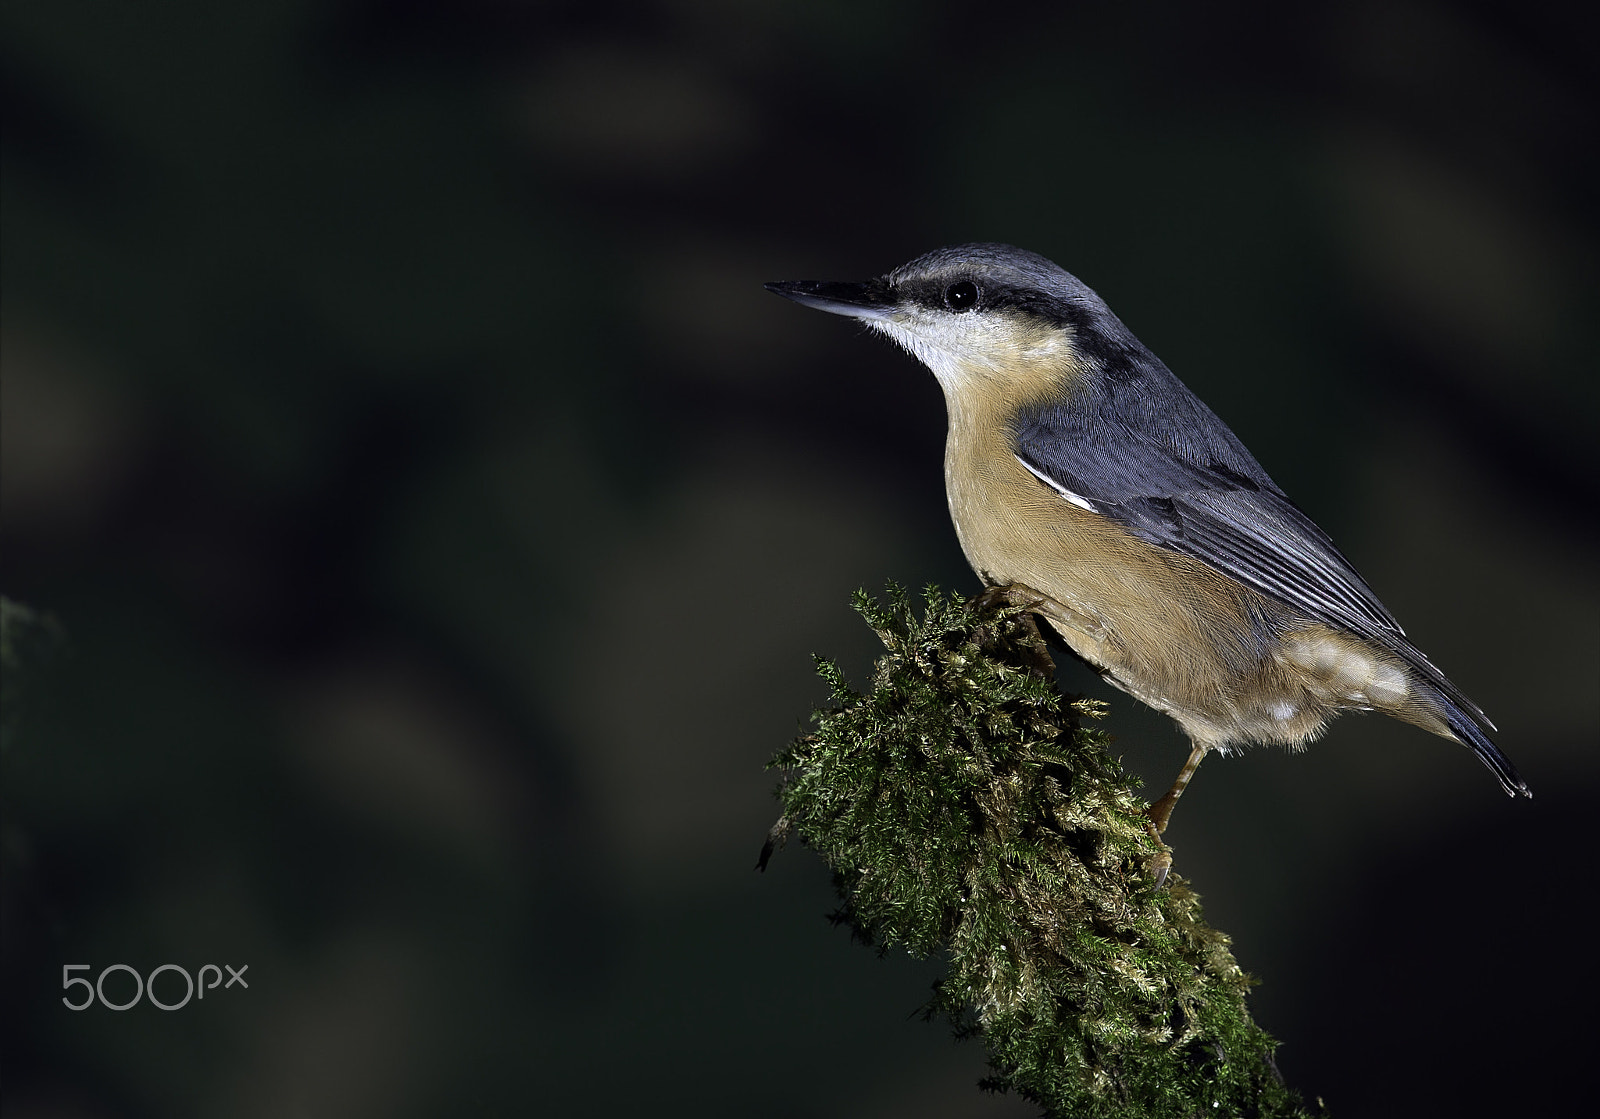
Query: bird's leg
[[1009, 594], [1034, 649], [1160, 812], [1065, 618]]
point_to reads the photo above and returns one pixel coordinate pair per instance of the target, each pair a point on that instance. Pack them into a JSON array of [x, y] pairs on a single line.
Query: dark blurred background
[[440, 519]]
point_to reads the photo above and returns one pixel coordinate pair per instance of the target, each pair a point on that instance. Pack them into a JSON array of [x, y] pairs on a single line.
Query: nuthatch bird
[[1090, 485]]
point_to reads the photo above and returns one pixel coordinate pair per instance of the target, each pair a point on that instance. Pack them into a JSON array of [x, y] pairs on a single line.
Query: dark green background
[[442, 519]]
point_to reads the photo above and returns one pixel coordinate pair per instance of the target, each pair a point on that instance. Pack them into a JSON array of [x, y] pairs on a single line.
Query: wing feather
[[1205, 498]]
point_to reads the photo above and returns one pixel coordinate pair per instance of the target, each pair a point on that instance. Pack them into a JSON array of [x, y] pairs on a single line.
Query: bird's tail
[[1469, 733]]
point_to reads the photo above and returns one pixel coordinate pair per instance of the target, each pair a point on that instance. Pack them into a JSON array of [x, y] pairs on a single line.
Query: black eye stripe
[[961, 295]]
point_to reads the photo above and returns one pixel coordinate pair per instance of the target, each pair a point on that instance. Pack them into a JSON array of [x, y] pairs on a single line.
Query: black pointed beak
[[871, 300]]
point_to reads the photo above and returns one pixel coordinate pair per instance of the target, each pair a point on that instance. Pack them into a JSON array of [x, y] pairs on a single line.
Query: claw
[[1160, 866]]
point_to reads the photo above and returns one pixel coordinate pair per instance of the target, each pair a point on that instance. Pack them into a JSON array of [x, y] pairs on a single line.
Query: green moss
[[965, 809]]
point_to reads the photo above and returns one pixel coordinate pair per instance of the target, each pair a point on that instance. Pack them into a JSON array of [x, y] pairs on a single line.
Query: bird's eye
[[961, 295]]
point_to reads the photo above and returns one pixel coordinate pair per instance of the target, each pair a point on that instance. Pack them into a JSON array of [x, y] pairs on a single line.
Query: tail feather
[[1467, 722], [1469, 733]]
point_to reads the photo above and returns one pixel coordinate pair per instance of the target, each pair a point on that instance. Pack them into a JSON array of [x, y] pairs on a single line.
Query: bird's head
[[983, 317]]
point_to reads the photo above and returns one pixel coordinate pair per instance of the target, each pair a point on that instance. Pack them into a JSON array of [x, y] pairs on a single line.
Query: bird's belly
[[1182, 637]]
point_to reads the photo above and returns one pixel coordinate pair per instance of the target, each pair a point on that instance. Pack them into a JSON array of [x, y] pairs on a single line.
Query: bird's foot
[[1009, 594], [1032, 648], [1160, 813], [1160, 864]]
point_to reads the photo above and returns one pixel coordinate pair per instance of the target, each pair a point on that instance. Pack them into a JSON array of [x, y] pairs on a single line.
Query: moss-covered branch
[[965, 810]]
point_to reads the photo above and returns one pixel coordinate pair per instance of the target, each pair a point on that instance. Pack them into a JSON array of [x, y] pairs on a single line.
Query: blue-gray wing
[[1202, 495], [1173, 475]]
